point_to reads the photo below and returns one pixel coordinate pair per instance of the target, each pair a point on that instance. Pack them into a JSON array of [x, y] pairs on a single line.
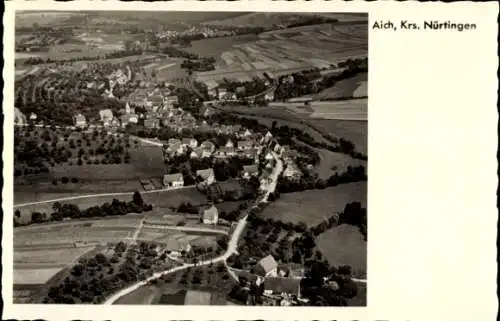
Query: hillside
[[268, 19]]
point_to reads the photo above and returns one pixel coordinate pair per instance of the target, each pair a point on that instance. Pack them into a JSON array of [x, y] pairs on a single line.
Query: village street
[[231, 247]]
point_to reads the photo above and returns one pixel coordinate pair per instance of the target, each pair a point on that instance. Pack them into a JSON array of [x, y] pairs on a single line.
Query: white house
[[173, 180], [267, 267], [207, 175], [79, 120], [210, 215]]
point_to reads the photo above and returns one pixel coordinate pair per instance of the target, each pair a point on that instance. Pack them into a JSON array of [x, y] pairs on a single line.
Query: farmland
[[332, 162], [198, 286], [345, 244], [162, 200], [288, 51], [354, 87], [313, 206]]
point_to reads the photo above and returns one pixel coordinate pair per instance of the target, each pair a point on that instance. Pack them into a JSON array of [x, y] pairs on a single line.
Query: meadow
[[353, 87], [313, 206], [345, 245]]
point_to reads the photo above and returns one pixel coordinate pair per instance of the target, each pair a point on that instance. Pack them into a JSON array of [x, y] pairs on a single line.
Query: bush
[[65, 180]]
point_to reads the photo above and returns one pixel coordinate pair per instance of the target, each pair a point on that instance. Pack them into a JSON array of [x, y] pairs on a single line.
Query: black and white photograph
[[190, 158]]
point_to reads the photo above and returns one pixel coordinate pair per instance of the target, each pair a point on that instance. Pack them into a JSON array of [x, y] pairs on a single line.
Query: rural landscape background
[[190, 158]]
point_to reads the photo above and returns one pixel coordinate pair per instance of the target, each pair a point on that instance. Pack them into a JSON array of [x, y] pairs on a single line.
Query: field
[[34, 276], [345, 244], [313, 206], [48, 256], [332, 162], [360, 299], [355, 131], [289, 50], [161, 201], [194, 286], [269, 19], [351, 87]]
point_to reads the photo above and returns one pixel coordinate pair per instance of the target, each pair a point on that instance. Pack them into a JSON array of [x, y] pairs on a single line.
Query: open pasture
[[354, 87], [71, 235], [34, 276], [345, 244], [332, 162], [61, 256], [353, 130], [313, 206]]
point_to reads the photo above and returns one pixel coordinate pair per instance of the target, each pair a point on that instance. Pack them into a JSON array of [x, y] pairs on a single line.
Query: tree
[[137, 199], [17, 213], [56, 207]]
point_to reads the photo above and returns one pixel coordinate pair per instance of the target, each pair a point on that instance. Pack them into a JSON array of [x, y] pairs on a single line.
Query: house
[[246, 144], [250, 170], [132, 118], [124, 120], [269, 96], [225, 152], [152, 123], [174, 141], [106, 116], [207, 175], [173, 180], [267, 267], [267, 138], [79, 120], [191, 142], [269, 156], [209, 215], [292, 171], [229, 144], [282, 286], [251, 154], [196, 153], [247, 133], [222, 93]]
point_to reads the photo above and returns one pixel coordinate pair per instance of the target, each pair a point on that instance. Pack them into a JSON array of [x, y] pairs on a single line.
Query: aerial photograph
[[190, 158]]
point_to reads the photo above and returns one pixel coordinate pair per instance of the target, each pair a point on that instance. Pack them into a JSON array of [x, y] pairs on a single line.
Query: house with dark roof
[[191, 142], [250, 170], [245, 144], [224, 152], [209, 215], [173, 180], [206, 175], [282, 286], [267, 267]]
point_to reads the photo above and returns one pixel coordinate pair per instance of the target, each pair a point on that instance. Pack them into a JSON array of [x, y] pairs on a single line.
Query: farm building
[[224, 152], [250, 170], [267, 138], [282, 286], [106, 116], [267, 267], [292, 171], [209, 215], [79, 120], [206, 175], [246, 144], [173, 180], [191, 142], [152, 123], [229, 144]]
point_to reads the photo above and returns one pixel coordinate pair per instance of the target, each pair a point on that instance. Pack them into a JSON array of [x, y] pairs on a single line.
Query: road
[[232, 245], [186, 228], [70, 198]]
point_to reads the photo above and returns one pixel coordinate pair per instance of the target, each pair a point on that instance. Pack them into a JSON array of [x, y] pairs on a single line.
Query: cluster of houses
[[280, 285]]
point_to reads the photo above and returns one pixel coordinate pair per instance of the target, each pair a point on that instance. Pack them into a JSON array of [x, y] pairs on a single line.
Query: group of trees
[[92, 280], [201, 64], [72, 211], [304, 82], [36, 149], [351, 175]]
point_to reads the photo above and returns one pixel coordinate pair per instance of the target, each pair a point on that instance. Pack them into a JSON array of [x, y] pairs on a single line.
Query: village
[[186, 179]]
